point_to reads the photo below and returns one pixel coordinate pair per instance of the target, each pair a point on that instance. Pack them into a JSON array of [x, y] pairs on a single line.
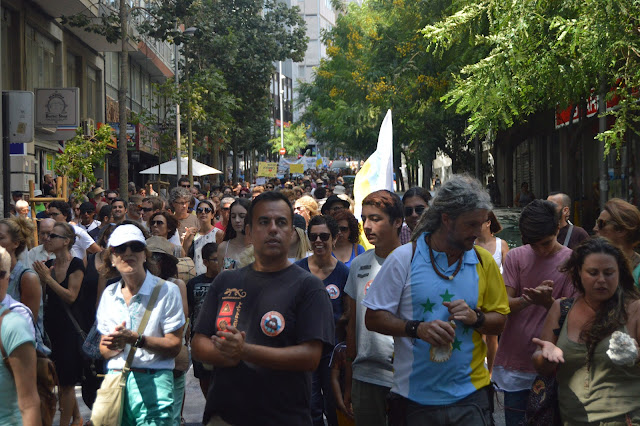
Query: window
[[40, 58], [92, 93], [73, 68]]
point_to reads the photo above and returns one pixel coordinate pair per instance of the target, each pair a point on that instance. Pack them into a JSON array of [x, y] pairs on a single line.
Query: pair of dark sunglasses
[[601, 223], [53, 236], [146, 209], [408, 211], [203, 210], [135, 246], [156, 222], [324, 236]]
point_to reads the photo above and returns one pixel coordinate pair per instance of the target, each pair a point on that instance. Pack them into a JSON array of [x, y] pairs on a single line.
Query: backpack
[[46, 379]]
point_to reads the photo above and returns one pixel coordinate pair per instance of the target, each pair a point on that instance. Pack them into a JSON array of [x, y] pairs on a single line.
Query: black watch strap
[[480, 321], [411, 328]]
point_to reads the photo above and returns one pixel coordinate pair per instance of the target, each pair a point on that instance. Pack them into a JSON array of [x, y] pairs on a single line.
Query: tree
[[377, 60], [542, 54], [242, 38], [81, 156], [295, 139], [115, 28]]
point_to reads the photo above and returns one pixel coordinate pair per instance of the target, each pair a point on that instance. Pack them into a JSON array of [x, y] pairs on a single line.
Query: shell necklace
[[436, 267]]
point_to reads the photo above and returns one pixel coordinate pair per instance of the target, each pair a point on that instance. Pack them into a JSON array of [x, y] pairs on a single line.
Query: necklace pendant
[[450, 277]]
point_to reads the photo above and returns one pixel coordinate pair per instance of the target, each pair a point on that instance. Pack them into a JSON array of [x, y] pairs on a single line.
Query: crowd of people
[[270, 293]]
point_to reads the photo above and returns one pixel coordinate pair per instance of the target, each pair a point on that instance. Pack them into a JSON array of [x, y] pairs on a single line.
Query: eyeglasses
[[3, 274], [343, 229], [298, 208], [601, 223], [53, 236], [146, 209], [408, 211], [324, 236], [156, 222], [269, 187], [135, 246], [111, 198], [181, 202], [226, 209], [337, 208], [54, 213], [203, 210], [186, 186]]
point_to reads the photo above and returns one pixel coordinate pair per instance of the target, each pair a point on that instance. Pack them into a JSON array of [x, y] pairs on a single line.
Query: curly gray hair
[[177, 193], [459, 194]]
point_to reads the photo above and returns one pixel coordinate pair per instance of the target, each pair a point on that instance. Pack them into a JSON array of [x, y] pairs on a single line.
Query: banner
[[267, 169], [296, 168], [377, 171]]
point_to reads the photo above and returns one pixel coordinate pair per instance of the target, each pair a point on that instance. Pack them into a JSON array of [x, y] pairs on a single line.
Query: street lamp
[[281, 88], [189, 32]]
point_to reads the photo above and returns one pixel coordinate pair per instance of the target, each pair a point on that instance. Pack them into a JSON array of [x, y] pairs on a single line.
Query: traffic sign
[[283, 151]]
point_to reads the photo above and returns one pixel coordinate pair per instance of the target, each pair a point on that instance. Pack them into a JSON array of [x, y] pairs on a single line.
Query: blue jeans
[[322, 398], [515, 405]]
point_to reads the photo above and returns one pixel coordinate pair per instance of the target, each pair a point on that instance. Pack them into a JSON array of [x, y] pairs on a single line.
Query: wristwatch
[[411, 328], [140, 342], [480, 321]]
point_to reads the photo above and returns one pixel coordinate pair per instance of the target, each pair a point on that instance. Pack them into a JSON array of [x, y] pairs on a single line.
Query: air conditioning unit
[[88, 127]]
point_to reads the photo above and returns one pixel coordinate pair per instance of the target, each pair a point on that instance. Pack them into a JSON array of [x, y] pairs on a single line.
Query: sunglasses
[[601, 223], [146, 209], [343, 229], [186, 186], [408, 211], [226, 209], [156, 222], [135, 246], [204, 210], [53, 236], [3, 274], [111, 198], [324, 236], [269, 186]]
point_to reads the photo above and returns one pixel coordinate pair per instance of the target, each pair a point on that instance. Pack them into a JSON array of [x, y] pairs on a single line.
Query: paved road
[[194, 404]]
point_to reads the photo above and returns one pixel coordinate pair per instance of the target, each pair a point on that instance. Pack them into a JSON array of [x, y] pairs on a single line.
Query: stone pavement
[[194, 404]]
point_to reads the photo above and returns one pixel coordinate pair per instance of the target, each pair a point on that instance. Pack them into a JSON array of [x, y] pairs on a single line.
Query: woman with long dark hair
[[197, 238], [234, 242], [594, 386]]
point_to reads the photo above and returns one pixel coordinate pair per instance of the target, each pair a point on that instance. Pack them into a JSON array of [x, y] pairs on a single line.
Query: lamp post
[[281, 107], [189, 31]]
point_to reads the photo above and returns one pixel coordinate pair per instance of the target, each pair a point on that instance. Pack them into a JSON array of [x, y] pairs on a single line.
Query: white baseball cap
[[124, 234]]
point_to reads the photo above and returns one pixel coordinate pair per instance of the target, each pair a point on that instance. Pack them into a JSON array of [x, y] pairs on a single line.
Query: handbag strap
[[143, 323], [79, 329], [5, 356]]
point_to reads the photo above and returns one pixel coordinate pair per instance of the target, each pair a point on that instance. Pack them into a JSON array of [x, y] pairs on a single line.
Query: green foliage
[[539, 55], [81, 156], [295, 139], [378, 60], [241, 39]]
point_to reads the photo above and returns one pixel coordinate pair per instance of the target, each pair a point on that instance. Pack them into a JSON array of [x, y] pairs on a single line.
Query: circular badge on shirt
[[334, 291], [272, 323], [366, 286]]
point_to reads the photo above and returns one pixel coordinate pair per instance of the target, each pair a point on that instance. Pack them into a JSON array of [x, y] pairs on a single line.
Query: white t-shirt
[[166, 317], [83, 242]]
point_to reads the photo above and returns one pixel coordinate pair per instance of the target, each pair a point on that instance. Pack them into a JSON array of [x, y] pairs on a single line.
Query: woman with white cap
[[119, 315]]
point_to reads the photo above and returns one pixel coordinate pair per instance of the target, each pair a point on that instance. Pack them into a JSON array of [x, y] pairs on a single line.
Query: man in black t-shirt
[[264, 328], [197, 289]]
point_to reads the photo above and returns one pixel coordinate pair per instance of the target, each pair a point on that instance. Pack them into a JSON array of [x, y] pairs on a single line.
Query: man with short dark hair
[[105, 220], [183, 182], [110, 195], [150, 206], [118, 210], [370, 354], [569, 235], [87, 213], [437, 297], [264, 328]]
